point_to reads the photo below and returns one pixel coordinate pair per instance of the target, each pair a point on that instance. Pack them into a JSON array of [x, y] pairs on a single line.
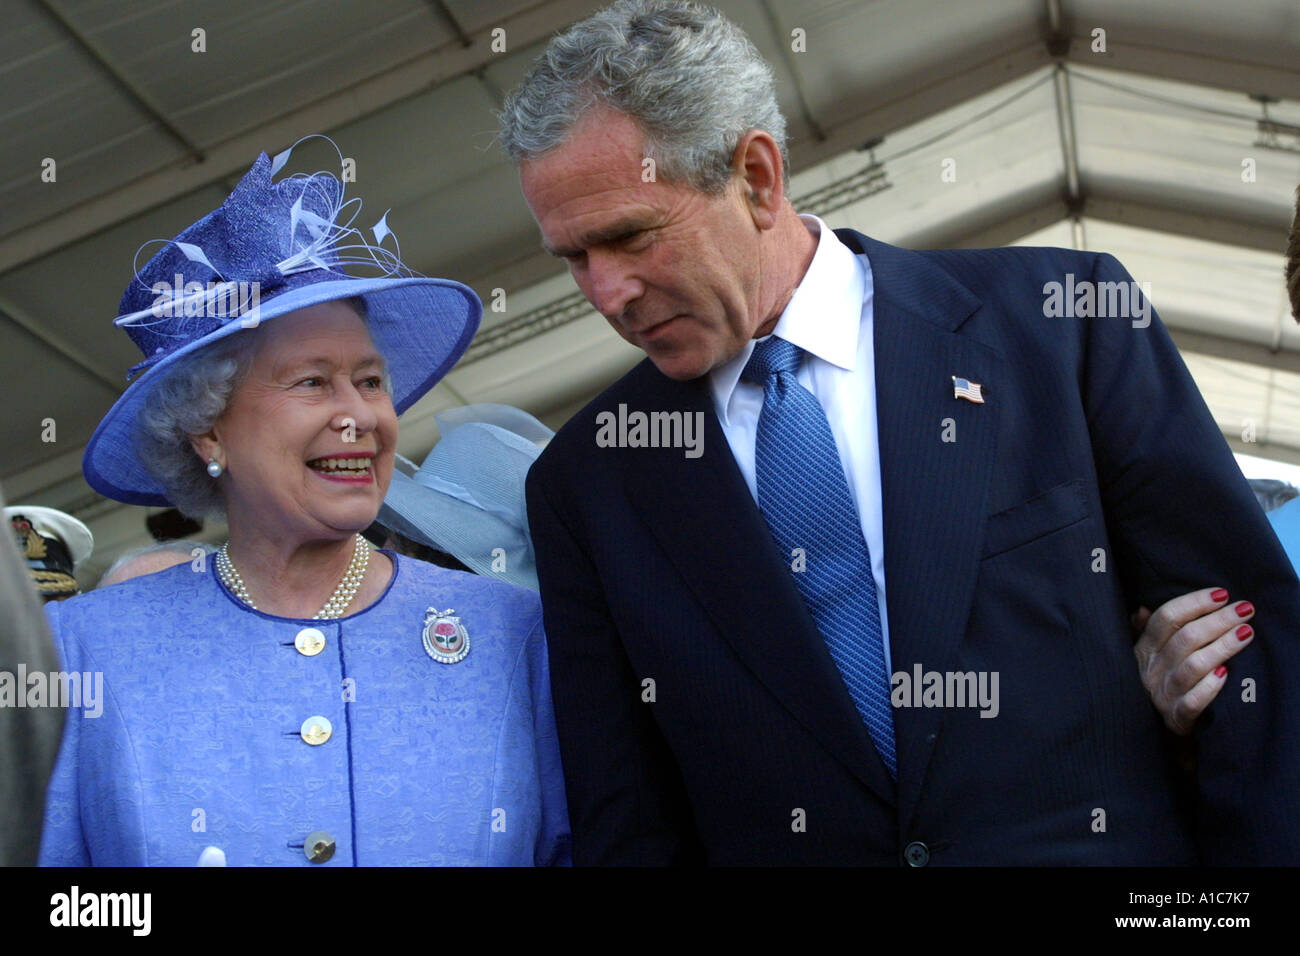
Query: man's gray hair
[[687, 75]]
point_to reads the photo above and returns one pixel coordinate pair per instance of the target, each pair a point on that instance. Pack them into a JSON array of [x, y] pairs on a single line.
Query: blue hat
[[272, 248], [467, 499]]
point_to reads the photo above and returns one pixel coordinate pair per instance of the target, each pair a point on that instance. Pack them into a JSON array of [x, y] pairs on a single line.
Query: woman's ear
[[208, 448]]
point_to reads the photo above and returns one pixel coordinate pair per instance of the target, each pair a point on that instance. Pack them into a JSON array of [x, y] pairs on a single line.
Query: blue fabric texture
[[804, 497], [198, 741], [1286, 524]]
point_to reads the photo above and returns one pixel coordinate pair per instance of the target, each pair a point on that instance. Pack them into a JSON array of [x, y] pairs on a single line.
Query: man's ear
[[757, 162]]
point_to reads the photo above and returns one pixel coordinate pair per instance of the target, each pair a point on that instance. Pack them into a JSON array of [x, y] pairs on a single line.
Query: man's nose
[[611, 287]]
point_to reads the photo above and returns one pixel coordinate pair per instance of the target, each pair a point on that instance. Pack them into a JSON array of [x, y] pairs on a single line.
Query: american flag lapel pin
[[965, 388]]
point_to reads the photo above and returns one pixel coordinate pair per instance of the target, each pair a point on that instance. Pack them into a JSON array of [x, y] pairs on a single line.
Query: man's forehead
[[589, 206], [604, 149], [592, 188]]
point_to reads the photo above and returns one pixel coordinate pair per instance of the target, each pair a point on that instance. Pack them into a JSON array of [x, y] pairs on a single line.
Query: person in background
[[152, 558], [54, 545], [1272, 493], [466, 500], [382, 537], [1185, 645], [1285, 519]]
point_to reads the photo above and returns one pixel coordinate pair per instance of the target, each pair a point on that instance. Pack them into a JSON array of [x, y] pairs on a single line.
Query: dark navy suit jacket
[[701, 718]]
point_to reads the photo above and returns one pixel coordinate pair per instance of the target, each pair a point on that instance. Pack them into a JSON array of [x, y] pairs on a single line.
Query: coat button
[[916, 854], [309, 642], [319, 846], [316, 730]]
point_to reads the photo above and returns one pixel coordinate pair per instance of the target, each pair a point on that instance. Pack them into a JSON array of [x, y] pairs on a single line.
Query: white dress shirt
[[830, 317]]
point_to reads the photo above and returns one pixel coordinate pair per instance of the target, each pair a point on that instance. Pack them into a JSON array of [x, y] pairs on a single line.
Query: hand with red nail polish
[[1182, 648]]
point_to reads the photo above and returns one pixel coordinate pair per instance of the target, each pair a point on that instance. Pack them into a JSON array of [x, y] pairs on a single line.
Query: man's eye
[[312, 382], [636, 241], [374, 381]]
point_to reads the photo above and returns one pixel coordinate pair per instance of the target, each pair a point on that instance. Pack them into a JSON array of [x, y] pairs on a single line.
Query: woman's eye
[[312, 382], [374, 382]]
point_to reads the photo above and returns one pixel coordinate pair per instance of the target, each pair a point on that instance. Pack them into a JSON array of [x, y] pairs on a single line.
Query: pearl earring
[[214, 468]]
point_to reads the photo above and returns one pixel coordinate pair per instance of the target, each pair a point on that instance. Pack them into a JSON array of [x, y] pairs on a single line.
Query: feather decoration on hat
[[319, 235]]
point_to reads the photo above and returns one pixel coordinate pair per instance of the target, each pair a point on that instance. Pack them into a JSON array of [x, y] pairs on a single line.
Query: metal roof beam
[[787, 58], [1221, 71], [1193, 221], [1223, 347], [337, 108], [914, 98], [104, 62], [15, 316]]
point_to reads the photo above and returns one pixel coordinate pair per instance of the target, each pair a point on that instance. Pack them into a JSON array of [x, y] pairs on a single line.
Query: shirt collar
[[823, 317]]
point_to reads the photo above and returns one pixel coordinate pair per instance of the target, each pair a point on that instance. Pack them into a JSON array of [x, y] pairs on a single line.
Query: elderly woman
[[302, 699]]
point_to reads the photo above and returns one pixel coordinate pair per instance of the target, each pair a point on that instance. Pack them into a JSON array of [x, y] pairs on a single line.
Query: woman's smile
[[348, 468]]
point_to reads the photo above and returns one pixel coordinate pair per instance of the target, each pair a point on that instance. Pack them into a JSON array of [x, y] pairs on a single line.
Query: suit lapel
[[705, 518], [933, 490]]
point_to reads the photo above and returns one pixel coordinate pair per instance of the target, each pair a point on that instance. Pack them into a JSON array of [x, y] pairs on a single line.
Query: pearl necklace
[[339, 600]]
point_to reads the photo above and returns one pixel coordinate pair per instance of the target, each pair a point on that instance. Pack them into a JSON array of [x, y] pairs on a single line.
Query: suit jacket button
[[916, 854], [319, 846]]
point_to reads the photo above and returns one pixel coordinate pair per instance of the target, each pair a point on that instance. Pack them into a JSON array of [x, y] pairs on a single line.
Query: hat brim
[[74, 534], [437, 519], [468, 533], [422, 326], [468, 497]]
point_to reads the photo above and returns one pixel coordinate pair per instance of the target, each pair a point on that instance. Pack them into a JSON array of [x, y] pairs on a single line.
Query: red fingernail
[[1219, 595], [1244, 632], [1220, 671], [1244, 609]]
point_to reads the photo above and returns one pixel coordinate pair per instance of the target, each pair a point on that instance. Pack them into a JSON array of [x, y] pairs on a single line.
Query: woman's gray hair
[[686, 74], [192, 395], [188, 400]]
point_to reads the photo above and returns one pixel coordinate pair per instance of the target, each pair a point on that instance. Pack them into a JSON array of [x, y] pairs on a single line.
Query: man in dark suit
[[878, 615]]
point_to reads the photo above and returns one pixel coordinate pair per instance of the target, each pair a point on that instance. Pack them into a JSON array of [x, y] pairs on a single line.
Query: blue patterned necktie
[[805, 499]]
